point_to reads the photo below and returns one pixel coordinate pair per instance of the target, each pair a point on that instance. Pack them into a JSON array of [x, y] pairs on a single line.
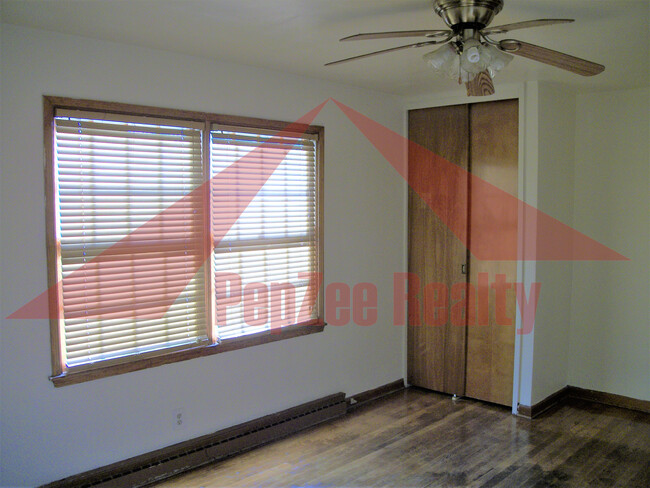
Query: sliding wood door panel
[[436, 350], [473, 356], [490, 346]]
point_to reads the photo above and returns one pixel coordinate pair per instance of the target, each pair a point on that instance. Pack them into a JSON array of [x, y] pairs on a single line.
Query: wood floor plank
[[416, 438]]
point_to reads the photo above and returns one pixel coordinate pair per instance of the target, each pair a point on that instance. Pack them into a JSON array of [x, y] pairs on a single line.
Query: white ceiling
[[300, 36]]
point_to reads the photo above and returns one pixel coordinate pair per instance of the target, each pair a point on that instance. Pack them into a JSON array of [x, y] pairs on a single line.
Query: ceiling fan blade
[[394, 34], [480, 86], [502, 29], [548, 56], [417, 44]]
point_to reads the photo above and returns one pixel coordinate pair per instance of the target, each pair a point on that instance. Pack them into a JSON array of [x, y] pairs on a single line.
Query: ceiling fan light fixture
[[498, 59], [447, 61], [444, 59], [475, 57]]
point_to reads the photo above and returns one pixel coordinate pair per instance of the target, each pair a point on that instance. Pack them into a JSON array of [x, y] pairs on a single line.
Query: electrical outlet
[[179, 419]]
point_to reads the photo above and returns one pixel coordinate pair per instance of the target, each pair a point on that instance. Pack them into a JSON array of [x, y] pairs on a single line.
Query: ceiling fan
[[468, 52]]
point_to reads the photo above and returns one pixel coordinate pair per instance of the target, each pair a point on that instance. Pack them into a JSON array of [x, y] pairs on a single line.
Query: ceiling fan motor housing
[[467, 14]]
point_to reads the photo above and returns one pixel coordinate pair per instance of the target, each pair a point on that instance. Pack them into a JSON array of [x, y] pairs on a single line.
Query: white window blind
[[270, 183], [120, 176]]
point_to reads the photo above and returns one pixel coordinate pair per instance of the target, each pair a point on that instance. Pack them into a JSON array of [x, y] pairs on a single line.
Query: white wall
[[555, 180], [1, 279], [610, 322], [49, 433], [592, 328]]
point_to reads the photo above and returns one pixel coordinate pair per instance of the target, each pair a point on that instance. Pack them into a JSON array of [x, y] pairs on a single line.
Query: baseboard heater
[[172, 460]]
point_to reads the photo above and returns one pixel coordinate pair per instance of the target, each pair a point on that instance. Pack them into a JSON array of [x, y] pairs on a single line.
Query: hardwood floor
[[417, 438]]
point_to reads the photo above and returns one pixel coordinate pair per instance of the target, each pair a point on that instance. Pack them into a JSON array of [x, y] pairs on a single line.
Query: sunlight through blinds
[[130, 281], [272, 247]]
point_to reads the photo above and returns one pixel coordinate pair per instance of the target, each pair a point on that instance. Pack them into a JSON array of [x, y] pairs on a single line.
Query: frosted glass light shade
[[444, 60], [498, 60], [475, 57]]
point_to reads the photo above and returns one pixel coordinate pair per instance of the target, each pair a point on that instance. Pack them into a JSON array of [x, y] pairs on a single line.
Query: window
[[271, 248], [176, 235]]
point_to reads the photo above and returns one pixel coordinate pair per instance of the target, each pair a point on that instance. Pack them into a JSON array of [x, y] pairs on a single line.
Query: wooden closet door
[[436, 354], [493, 158]]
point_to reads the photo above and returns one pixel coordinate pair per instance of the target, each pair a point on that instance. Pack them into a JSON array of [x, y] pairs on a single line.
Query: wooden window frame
[[61, 375]]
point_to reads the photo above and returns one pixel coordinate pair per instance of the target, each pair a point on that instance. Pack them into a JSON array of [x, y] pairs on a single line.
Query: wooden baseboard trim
[[172, 460], [609, 399], [363, 398], [530, 412], [559, 397], [524, 411]]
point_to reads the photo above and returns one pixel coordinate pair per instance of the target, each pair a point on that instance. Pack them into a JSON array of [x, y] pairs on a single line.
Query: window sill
[[83, 374]]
